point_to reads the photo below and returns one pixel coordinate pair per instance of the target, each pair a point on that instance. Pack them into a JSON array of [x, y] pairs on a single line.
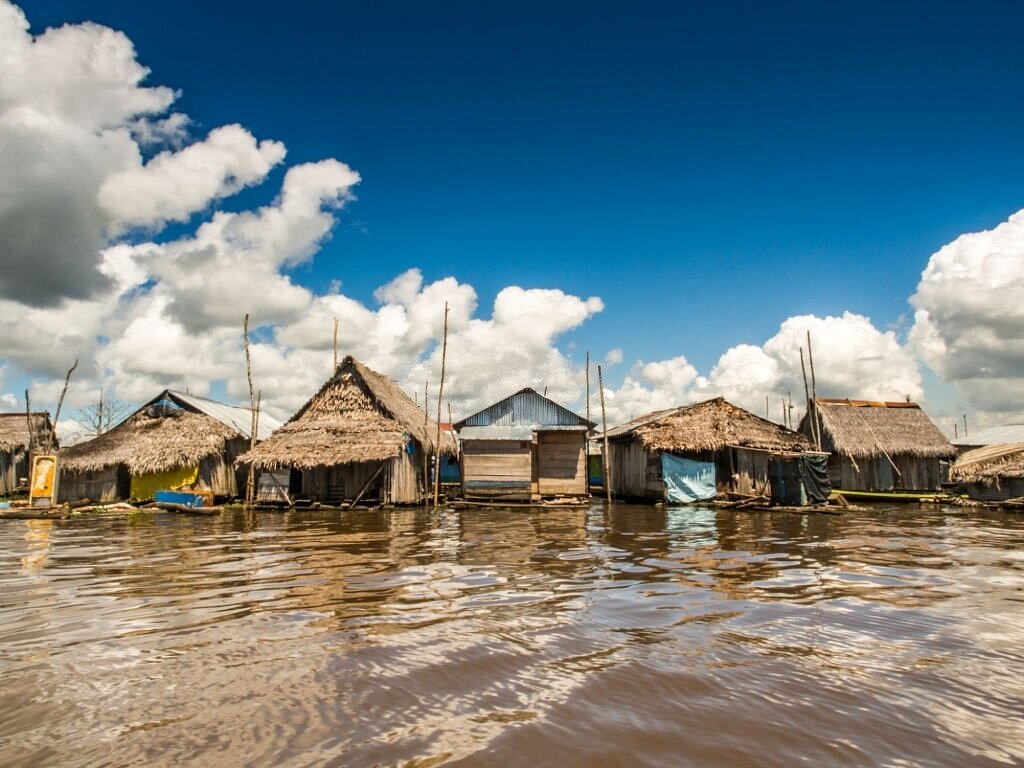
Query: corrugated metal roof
[[1005, 433], [526, 408], [496, 433], [234, 416]]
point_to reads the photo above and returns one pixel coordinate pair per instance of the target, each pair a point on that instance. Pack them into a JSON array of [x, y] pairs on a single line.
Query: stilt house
[[525, 447], [16, 440], [359, 438], [879, 446], [175, 441], [991, 473], [696, 452]]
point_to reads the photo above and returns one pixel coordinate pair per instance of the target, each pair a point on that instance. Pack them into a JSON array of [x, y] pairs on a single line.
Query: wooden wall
[[107, 485], [561, 463], [497, 469], [12, 466], [915, 474], [636, 474]]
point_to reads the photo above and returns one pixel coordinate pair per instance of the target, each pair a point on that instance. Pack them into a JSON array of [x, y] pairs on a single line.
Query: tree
[[99, 417]]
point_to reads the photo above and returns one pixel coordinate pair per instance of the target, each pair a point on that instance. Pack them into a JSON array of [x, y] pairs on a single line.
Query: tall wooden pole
[[440, 397], [604, 424], [250, 482], [335, 368], [52, 438], [807, 400], [588, 390], [426, 453], [814, 392]]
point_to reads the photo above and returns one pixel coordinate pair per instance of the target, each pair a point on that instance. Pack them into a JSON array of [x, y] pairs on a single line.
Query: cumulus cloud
[[75, 118], [173, 185], [969, 316], [852, 359]]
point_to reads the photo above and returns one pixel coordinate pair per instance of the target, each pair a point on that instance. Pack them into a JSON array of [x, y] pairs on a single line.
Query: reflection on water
[[629, 636]]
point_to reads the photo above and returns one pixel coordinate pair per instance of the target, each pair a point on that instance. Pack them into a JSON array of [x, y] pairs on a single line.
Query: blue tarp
[[687, 481]]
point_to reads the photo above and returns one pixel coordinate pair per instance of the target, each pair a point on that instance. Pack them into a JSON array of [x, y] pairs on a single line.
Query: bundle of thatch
[[358, 415], [147, 443], [989, 464], [710, 426], [14, 430], [869, 429]]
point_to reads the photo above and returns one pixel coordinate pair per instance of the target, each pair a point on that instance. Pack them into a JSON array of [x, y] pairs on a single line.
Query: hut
[[524, 448], [19, 434], [693, 453], [992, 472], [359, 438], [1004, 434], [176, 440], [879, 446]]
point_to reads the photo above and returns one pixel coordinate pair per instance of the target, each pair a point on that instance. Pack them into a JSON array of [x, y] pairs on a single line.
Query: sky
[[681, 190]]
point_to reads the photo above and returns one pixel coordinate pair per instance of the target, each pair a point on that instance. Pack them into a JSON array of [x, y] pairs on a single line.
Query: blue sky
[[708, 170]]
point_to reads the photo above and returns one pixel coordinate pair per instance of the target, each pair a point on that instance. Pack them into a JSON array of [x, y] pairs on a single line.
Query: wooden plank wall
[[561, 463], [496, 468], [404, 486], [100, 487], [635, 473]]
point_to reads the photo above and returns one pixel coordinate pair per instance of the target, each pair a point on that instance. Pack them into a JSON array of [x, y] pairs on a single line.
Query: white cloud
[[969, 318], [614, 357], [172, 186]]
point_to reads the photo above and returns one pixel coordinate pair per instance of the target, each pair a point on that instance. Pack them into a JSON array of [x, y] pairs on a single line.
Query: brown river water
[[625, 637]]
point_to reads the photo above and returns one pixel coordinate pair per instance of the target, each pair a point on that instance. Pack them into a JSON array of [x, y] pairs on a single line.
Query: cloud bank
[[95, 165]]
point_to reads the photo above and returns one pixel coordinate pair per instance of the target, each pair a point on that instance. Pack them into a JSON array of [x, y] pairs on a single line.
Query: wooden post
[[335, 368], [440, 396], [52, 438], [250, 482], [604, 423], [965, 425], [814, 392], [588, 390], [426, 453], [807, 400], [31, 435]]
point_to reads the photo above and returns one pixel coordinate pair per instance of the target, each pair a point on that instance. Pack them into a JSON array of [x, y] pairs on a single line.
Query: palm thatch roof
[[989, 464], [358, 415], [14, 430], [871, 429], [148, 442], [709, 426]]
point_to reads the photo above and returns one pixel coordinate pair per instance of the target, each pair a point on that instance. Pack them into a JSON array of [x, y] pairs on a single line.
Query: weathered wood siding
[[497, 468], [636, 473], [749, 473], [1005, 488], [561, 463], [216, 474], [13, 465], [915, 474], [107, 485], [333, 485], [403, 479]]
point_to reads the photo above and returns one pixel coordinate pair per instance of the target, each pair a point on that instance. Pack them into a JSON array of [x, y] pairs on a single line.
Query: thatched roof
[[870, 429], [989, 464], [709, 426], [14, 430], [151, 443], [358, 415]]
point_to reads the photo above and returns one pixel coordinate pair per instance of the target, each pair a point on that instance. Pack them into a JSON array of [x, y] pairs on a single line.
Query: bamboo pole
[[31, 433], [814, 392], [604, 423], [588, 390], [335, 368], [440, 397], [52, 440], [807, 399], [426, 454], [250, 482]]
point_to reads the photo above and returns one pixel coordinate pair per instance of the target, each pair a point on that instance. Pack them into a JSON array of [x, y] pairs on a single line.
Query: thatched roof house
[[359, 435], [991, 473], [693, 452], [15, 442], [880, 446], [175, 439]]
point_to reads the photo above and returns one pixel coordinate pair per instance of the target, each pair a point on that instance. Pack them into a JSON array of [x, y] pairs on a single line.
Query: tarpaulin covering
[[814, 474], [146, 486], [799, 480], [687, 481]]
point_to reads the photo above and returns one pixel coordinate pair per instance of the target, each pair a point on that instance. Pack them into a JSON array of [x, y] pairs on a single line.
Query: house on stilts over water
[[992, 472], [879, 446], [696, 452], [20, 435], [360, 438], [176, 441], [524, 448]]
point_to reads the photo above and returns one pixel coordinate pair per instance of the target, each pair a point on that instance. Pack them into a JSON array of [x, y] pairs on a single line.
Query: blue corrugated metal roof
[[235, 416], [526, 408], [496, 433]]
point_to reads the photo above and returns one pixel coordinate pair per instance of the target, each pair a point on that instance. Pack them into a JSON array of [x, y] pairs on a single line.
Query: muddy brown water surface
[[631, 636]]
